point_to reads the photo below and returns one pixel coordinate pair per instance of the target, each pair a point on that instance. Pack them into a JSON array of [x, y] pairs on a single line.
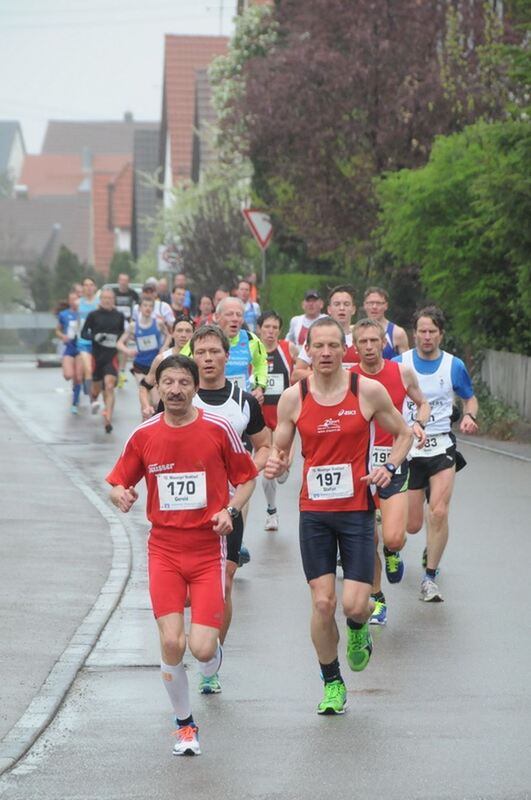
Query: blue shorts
[[399, 483], [71, 349], [84, 346], [321, 533]]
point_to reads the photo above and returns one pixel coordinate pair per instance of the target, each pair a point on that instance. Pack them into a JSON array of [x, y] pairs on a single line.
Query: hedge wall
[[284, 293]]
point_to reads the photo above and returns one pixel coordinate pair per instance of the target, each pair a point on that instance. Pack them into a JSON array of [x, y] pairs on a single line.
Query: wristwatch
[[233, 512], [472, 417], [390, 468]]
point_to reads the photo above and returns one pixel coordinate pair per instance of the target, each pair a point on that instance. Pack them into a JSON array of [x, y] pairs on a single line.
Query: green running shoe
[[209, 685], [335, 698], [359, 647]]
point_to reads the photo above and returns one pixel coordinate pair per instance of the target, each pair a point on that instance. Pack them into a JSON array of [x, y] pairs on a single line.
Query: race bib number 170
[[181, 491], [332, 482]]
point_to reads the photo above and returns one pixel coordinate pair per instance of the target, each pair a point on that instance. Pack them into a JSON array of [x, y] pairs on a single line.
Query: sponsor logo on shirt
[[330, 425], [160, 467], [347, 412]]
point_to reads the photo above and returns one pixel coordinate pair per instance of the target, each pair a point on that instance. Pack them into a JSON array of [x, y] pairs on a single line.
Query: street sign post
[[262, 230]]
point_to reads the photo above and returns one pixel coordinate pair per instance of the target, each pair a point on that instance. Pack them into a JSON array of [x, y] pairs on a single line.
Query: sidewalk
[[55, 555]]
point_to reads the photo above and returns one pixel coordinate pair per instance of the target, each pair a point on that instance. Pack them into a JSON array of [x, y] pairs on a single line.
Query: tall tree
[[347, 91]]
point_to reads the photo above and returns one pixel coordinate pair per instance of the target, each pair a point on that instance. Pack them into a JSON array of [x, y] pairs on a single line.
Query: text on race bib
[[71, 330], [435, 446], [380, 456], [147, 342], [181, 491], [331, 482], [275, 383]]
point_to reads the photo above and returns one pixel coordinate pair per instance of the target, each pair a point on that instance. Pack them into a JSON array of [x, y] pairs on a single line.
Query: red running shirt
[[187, 471], [391, 378], [336, 441]]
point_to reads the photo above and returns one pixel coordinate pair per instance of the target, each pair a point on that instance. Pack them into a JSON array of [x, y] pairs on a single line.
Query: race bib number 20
[[330, 482], [181, 491]]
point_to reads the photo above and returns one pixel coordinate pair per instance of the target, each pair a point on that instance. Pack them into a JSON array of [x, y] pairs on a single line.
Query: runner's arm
[[262, 447], [470, 411], [124, 338], [143, 392], [414, 392], [287, 410], [301, 370], [400, 340], [123, 498]]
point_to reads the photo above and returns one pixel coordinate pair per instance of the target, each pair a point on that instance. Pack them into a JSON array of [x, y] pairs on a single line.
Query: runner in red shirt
[[187, 457], [400, 382], [332, 410]]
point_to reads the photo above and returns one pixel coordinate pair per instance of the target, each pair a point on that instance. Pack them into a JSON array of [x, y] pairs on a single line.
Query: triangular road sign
[[260, 226]]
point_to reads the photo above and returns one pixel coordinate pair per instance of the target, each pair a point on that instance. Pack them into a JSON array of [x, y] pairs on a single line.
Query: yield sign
[[260, 226]]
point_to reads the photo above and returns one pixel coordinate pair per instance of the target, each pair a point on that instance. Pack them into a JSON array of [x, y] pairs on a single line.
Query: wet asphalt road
[[442, 711]]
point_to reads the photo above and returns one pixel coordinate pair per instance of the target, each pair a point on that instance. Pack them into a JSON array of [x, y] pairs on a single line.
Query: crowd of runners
[[221, 399]]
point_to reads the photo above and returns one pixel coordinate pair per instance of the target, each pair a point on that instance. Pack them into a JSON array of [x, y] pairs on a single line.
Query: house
[[12, 150], [185, 60], [85, 177]]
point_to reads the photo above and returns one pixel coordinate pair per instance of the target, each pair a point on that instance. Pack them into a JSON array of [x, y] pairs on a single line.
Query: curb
[[495, 450], [48, 699]]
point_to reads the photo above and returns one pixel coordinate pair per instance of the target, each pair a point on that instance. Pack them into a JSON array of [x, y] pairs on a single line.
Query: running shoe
[[429, 592], [271, 523], [359, 647], [394, 567], [379, 615], [335, 698], [187, 743], [209, 685], [74, 409], [108, 427], [283, 478], [122, 380], [94, 406], [244, 556]]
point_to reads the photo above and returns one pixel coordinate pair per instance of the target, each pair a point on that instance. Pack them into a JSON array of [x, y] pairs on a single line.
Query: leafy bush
[[284, 293]]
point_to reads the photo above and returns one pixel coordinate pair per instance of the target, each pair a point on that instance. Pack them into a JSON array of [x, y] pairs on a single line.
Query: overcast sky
[[92, 59]]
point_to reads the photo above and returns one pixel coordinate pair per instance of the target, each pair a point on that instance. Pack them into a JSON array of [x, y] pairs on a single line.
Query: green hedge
[[284, 293]]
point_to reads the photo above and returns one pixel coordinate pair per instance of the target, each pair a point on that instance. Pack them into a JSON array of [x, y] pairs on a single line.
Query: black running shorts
[[421, 469], [321, 533]]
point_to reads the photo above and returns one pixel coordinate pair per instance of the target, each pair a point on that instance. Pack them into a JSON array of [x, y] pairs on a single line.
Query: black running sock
[[183, 722], [388, 552], [271, 510], [378, 597], [331, 672], [356, 626], [431, 573]]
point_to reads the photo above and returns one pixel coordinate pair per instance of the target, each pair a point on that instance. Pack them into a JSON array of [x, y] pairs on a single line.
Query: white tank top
[[234, 409], [437, 389]]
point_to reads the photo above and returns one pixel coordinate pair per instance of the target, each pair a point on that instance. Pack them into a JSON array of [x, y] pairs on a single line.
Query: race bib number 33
[[181, 491], [333, 482]]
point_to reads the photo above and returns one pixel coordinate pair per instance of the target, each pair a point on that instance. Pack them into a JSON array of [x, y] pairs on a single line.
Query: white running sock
[[209, 668], [269, 485], [175, 681]]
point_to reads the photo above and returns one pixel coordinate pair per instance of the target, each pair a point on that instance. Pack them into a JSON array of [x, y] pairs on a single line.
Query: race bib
[[380, 456], [71, 330], [239, 380], [181, 491], [147, 343], [435, 446], [125, 310], [275, 383], [331, 482]]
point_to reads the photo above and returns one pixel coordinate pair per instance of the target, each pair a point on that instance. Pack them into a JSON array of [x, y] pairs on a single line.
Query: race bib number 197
[[181, 491], [330, 482]]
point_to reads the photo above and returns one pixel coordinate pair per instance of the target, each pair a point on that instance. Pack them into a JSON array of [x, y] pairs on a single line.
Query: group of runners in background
[[221, 397]]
